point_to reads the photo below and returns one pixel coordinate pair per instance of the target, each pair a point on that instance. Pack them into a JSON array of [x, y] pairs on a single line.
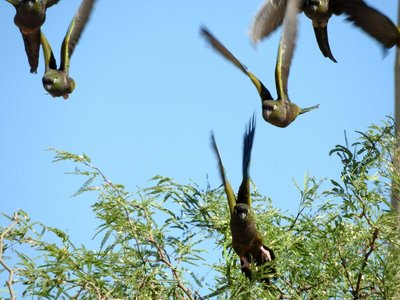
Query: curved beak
[[242, 216]]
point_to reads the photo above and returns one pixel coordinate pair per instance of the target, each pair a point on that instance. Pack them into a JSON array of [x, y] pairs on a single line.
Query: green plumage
[[280, 112], [246, 240], [375, 24], [57, 81], [371, 21]]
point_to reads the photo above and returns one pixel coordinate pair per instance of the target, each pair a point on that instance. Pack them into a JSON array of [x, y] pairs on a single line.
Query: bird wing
[[13, 2], [49, 60], [230, 194], [74, 32], [268, 18], [370, 20], [32, 48], [286, 47], [248, 138], [321, 34], [51, 3], [221, 49]]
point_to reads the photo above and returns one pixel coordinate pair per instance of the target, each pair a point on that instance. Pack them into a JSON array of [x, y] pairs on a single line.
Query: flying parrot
[[280, 112], [371, 21], [57, 81], [246, 240], [29, 17]]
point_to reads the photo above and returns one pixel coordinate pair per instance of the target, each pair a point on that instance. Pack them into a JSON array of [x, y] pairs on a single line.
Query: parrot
[[57, 81], [280, 112], [247, 242], [30, 16], [371, 21]]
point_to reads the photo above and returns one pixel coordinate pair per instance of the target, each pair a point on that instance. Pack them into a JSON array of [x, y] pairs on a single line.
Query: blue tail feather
[[248, 145]]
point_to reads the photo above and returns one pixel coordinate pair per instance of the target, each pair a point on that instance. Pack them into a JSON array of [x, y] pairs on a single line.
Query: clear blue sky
[[149, 91]]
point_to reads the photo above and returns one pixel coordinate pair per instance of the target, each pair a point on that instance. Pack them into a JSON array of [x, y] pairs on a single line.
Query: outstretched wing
[[221, 49], [230, 194], [244, 190], [51, 3], [267, 19], [287, 44], [74, 32], [13, 2], [371, 21], [49, 60]]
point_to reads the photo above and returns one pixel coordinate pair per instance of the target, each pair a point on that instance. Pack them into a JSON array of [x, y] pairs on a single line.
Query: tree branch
[[163, 257], [367, 254], [2, 262], [344, 265]]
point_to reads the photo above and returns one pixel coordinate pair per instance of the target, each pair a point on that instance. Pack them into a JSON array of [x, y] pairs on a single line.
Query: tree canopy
[[153, 242]]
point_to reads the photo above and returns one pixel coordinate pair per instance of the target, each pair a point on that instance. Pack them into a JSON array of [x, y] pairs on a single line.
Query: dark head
[[279, 113], [313, 3], [30, 16], [58, 83], [269, 107], [33, 6], [317, 9], [242, 211]]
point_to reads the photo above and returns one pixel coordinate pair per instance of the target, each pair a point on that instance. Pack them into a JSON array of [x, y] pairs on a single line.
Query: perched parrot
[[29, 17], [371, 21], [57, 81], [246, 240], [280, 112]]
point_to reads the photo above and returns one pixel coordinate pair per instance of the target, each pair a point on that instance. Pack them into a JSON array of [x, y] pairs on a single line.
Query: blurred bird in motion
[[280, 112], [30, 16], [57, 81], [370, 20]]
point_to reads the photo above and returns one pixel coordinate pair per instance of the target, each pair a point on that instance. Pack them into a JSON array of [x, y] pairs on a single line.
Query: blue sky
[[149, 91]]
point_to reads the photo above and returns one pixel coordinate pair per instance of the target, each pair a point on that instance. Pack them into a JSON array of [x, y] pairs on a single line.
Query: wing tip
[[205, 32], [248, 140]]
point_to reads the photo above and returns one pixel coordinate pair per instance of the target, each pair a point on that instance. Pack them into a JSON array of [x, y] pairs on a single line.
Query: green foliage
[[341, 244]]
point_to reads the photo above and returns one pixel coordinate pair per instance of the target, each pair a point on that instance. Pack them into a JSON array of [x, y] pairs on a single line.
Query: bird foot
[[245, 267], [244, 263], [266, 255]]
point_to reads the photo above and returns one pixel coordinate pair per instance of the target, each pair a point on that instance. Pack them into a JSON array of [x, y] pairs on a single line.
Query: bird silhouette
[[57, 81], [30, 16], [280, 112], [371, 21]]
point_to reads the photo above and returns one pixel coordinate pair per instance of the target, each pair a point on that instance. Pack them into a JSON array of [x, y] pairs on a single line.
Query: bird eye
[[269, 106]]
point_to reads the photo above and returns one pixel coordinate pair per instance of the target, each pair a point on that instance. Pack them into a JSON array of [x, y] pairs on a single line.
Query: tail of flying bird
[[307, 109]]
